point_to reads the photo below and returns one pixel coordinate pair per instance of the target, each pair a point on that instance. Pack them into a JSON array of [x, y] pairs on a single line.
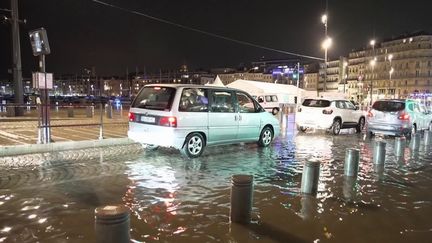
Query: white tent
[[216, 82], [258, 88]]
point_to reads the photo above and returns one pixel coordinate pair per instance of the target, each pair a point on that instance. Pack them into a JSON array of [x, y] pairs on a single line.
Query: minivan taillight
[[131, 116], [404, 117], [327, 112], [370, 114], [168, 121]]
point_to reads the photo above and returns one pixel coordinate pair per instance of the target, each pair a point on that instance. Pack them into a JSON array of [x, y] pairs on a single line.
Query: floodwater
[[52, 197]]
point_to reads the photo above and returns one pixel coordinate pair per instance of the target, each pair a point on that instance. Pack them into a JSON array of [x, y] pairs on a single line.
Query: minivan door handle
[[240, 117], [235, 118]]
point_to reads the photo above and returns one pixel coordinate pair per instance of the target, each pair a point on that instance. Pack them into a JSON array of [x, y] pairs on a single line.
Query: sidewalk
[[18, 135]]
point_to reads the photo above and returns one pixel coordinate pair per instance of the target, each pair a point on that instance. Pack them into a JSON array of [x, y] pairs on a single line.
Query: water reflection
[[178, 200]]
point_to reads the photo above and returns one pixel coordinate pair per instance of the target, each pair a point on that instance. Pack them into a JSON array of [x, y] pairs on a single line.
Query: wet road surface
[[52, 197]]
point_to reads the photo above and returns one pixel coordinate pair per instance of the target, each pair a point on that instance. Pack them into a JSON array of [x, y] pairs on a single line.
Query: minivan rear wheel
[[266, 137], [193, 146]]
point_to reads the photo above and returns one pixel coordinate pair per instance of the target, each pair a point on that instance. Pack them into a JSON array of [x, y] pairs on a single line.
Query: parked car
[[329, 114], [397, 117], [191, 117], [269, 102]]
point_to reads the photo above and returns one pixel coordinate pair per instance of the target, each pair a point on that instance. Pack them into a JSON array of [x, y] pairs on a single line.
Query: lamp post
[[390, 57], [390, 74], [345, 65], [372, 63], [326, 44]]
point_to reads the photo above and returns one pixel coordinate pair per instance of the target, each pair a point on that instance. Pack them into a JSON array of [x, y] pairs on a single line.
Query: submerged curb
[[61, 146]]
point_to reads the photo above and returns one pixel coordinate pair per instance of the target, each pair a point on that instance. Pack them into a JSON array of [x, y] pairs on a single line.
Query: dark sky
[[85, 34]]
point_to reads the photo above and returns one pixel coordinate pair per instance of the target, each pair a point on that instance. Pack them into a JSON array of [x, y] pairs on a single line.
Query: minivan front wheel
[[193, 146], [266, 137]]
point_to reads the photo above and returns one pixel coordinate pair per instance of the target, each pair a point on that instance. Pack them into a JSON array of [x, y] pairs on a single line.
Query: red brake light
[[327, 112], [157, 88], [131, 116], [168, 121], [370, 114], [299, 109], [404, 116]]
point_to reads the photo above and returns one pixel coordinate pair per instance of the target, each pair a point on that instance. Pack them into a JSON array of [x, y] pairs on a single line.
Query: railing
[[64, 112]]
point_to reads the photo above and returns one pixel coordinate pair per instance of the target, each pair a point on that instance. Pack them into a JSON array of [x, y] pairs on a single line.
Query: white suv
[[329, 114]]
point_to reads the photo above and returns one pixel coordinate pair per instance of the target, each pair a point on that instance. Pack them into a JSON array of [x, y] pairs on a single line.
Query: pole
[[298, 81], [16, 57], [371, 86]]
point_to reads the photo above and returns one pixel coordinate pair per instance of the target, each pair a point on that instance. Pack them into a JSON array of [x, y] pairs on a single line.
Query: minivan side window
[[245, 103], [194, 100], [221, 101]]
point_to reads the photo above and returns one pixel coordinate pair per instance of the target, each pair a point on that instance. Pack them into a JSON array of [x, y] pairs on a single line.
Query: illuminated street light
[[324, 19], [372, 43], [327, 43]]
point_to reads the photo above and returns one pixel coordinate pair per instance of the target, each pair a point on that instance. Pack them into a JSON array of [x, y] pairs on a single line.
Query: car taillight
[[404, 116], [131, 116], [168, 121], [299, 109], [370, 114], [327, 112]]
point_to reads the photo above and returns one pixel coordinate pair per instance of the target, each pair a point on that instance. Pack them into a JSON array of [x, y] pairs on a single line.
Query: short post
[[56, 107], [70, 111], [379, 152], [399, 147], [112, 224], [109, 110], [101, 122], [310, 177], [415, 141], [10, 110], [241, 198], [427, 138], [89, 111], [352, 159]]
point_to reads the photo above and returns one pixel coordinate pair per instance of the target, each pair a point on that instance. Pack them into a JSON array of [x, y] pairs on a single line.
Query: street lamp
[[390, 74], [345, 65], [372, 63], [326, 45]]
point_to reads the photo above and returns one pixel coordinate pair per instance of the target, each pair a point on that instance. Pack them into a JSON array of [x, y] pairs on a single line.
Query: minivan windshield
[[155, 98], [316, 103], [388, 105]]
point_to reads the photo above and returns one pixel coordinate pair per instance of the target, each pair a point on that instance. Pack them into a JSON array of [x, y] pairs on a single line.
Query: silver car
[[396, 117]]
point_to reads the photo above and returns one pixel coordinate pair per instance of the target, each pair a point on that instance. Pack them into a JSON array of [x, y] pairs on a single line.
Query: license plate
[[147, 119]]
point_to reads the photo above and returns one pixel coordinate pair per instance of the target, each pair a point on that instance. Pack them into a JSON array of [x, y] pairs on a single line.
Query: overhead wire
[[206, 32]]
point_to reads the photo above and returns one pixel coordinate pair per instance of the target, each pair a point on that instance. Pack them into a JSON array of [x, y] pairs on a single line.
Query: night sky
[[83, 33]]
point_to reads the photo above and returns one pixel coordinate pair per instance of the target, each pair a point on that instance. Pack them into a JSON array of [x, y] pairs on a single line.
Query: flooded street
[[52, 197]]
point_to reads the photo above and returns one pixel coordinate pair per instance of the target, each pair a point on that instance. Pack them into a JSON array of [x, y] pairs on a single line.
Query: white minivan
[[190, 117]]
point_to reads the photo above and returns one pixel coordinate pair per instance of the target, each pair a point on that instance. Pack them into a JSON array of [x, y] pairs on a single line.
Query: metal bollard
[[241, 198], [310, 177], [352, 159], [112, 224], [89, 111], [109, 111], [415, 142], [349, 188], [70, 112], [399, 147], [379, 152], [427, 138]]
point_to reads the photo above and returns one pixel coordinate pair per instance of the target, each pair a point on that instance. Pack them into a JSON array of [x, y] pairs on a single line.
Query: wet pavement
[[23, 130], [51, 197]]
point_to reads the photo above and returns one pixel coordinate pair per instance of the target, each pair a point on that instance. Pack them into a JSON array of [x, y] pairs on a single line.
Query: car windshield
[[316, 103], [155, 98], [388, 106]]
